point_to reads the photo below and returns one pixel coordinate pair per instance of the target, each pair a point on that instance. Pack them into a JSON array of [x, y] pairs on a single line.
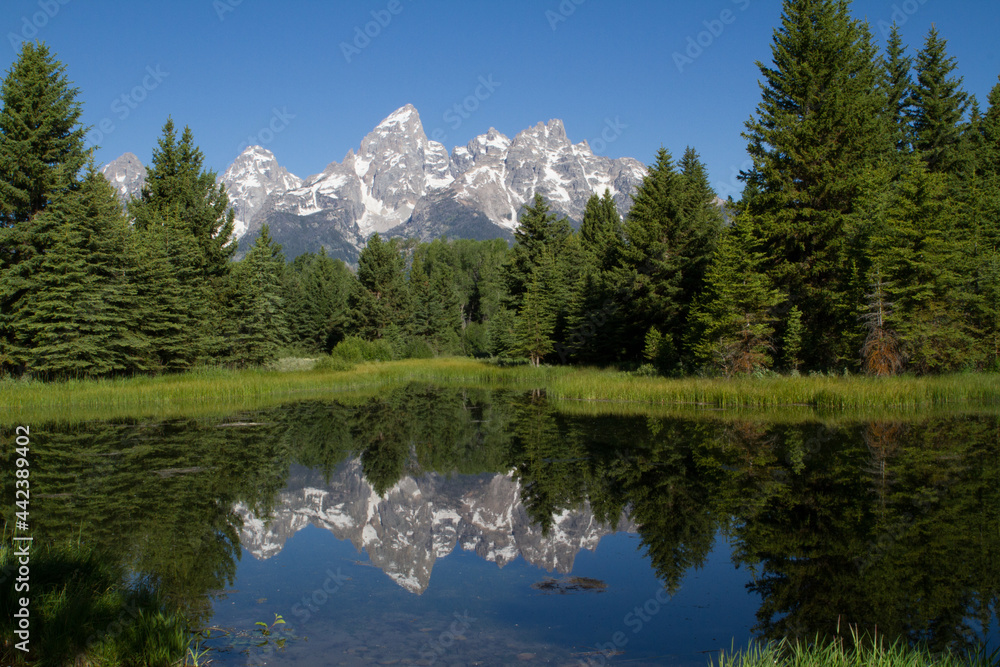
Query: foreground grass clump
[[220, 391], [84, 612], [858, 654]]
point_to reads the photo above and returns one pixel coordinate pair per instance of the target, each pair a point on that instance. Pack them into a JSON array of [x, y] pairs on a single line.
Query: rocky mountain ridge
[[422, 519], [400, 183]]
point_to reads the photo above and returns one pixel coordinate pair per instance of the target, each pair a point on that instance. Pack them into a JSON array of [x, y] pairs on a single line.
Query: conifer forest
[[866, 240]]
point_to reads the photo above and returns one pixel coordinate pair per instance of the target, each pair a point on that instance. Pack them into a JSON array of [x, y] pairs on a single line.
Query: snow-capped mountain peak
[[420, 519], [127, 174], [399, 182], [253, 177]]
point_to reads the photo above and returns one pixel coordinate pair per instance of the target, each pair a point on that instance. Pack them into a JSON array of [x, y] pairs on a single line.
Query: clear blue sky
[[225, 67]]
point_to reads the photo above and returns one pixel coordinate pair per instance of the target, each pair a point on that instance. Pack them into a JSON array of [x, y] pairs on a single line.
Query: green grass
[[836, 654], [217, 392], [83, 612]]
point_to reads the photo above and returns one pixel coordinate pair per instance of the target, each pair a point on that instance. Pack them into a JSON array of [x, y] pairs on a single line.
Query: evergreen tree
[[185, 215], [178, 187], [536, 320], [734, 321], [601, 232], [989, 158], [420, 293], [929, 268], [500, 333], [259, 310], [898, 87], [819, 131], [793, 340], [591, 331], [988, 213], [650, 267], [539, 230], [437, 310], [41, 155], [327, 282], [699, 206], [670, 233], [174, 304], [380, 299], [77, 314], [938, 105], [41, 140]]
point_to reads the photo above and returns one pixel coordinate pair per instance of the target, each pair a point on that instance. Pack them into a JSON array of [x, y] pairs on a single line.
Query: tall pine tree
[[898, 85], [670, 234], [818, 132], [937, 107], [77, 315], [259, 311], [733, 321], [41, 154], [381, 298]]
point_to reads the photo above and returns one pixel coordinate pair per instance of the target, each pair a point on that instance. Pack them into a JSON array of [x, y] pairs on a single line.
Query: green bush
[[417, 348], [357, 350]]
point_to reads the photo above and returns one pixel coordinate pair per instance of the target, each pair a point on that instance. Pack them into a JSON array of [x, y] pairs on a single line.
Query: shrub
[[357, 350]]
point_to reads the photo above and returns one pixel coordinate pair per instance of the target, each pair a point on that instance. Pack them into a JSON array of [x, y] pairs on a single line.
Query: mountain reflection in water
[[890, 522], [421, 519]]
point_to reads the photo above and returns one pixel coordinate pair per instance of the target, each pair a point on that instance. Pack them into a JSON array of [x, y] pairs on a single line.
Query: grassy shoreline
[[220, 391], [838, 652]]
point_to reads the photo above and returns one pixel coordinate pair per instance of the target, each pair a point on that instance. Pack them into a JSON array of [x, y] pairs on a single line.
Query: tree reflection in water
[[893, 524]]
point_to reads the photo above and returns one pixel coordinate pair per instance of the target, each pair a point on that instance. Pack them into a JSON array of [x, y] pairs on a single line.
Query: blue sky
[[280, 75]]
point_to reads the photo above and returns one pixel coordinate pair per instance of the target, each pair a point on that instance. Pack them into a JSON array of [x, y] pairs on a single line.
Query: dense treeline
[[866, 239]]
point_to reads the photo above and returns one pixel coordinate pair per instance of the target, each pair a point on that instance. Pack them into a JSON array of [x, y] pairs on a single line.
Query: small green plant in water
[[267, 630], [195, 652]]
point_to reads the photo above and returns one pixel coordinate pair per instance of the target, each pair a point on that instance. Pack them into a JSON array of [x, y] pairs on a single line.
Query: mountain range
[[400, 183], [420, 519]]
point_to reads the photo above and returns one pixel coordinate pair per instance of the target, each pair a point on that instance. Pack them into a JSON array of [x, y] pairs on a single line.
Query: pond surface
[[454, 527]]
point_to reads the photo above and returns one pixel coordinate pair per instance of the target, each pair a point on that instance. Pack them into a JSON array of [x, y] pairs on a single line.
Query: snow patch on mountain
[[127, 175], [253, 177], [421, 519], [399, 182]]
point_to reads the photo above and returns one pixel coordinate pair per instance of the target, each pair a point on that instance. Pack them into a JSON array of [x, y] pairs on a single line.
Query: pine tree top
[[41, 140]]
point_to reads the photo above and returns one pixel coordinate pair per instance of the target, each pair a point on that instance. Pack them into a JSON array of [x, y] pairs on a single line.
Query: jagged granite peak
[[486, 148], [373, 189], [253, 177], [401, 183], [127, 174], [496, 177], [421, 519]]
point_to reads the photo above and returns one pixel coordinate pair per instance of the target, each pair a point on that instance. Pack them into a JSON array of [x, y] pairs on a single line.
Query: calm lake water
[[455, 527]]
